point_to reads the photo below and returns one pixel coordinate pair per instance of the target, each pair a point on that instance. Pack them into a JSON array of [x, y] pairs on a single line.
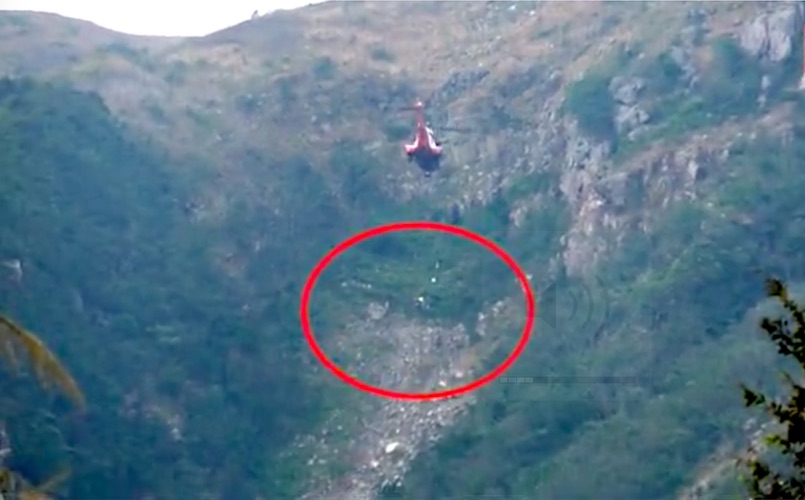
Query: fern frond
[[54, 481], [41, 492], [46, 366], [9, 481], [6, 480], [7, 352]]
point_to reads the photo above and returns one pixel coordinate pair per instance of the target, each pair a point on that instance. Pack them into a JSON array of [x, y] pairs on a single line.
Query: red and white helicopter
[[426, 150]]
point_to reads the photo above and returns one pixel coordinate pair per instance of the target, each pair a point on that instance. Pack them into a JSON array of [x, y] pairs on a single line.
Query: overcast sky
[[157, 17]]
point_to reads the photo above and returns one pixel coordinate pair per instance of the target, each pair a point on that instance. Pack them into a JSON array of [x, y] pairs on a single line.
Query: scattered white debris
[[377, 311], [396, 431]]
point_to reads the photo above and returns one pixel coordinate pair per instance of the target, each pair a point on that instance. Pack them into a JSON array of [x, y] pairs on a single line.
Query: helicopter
[[426, 150]]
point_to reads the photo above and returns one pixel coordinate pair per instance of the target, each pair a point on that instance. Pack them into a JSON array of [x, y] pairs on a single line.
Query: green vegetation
[[682, 301], [140, 57], [47, 368], [729, 87], [184, 336], [380, 53], [177, 73], [17, 20], [663, 74], [787, 481], [400, 265], [324, 68], [590, 101], [397, 131], [14, 342], [166, 345], [592, 104], [145, 318]]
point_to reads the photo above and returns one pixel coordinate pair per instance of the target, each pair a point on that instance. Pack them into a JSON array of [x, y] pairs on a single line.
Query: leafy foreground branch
[[788, 481], [16, 342]]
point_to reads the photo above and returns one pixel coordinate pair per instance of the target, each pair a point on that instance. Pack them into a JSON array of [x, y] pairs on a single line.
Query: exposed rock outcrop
[[384, 435], [770, 36]]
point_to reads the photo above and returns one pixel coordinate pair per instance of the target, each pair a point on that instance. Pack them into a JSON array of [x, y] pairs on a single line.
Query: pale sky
[[157, 17]]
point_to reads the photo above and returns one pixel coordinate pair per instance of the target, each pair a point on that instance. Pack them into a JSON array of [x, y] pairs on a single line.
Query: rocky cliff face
[[302, 82]]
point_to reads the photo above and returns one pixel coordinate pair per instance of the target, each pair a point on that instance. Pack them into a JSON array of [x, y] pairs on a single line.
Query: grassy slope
[[100, 224], [259, 86], [127, 293], [510, 440], [679, 295]]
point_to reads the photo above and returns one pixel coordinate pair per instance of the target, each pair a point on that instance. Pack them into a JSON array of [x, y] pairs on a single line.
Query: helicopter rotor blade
[[429, 100]]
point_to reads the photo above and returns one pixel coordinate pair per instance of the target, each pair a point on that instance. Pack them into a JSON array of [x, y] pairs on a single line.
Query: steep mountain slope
[[124, 290], [652, 147], [60, 42]]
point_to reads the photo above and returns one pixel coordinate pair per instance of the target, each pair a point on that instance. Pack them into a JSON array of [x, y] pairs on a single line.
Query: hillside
[[645, 155]]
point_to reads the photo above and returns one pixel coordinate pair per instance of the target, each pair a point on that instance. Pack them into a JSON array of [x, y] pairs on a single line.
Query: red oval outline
[[304, 313]]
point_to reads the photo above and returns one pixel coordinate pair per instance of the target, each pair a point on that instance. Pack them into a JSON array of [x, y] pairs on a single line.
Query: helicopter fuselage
[[426, 161], [425, 149]]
